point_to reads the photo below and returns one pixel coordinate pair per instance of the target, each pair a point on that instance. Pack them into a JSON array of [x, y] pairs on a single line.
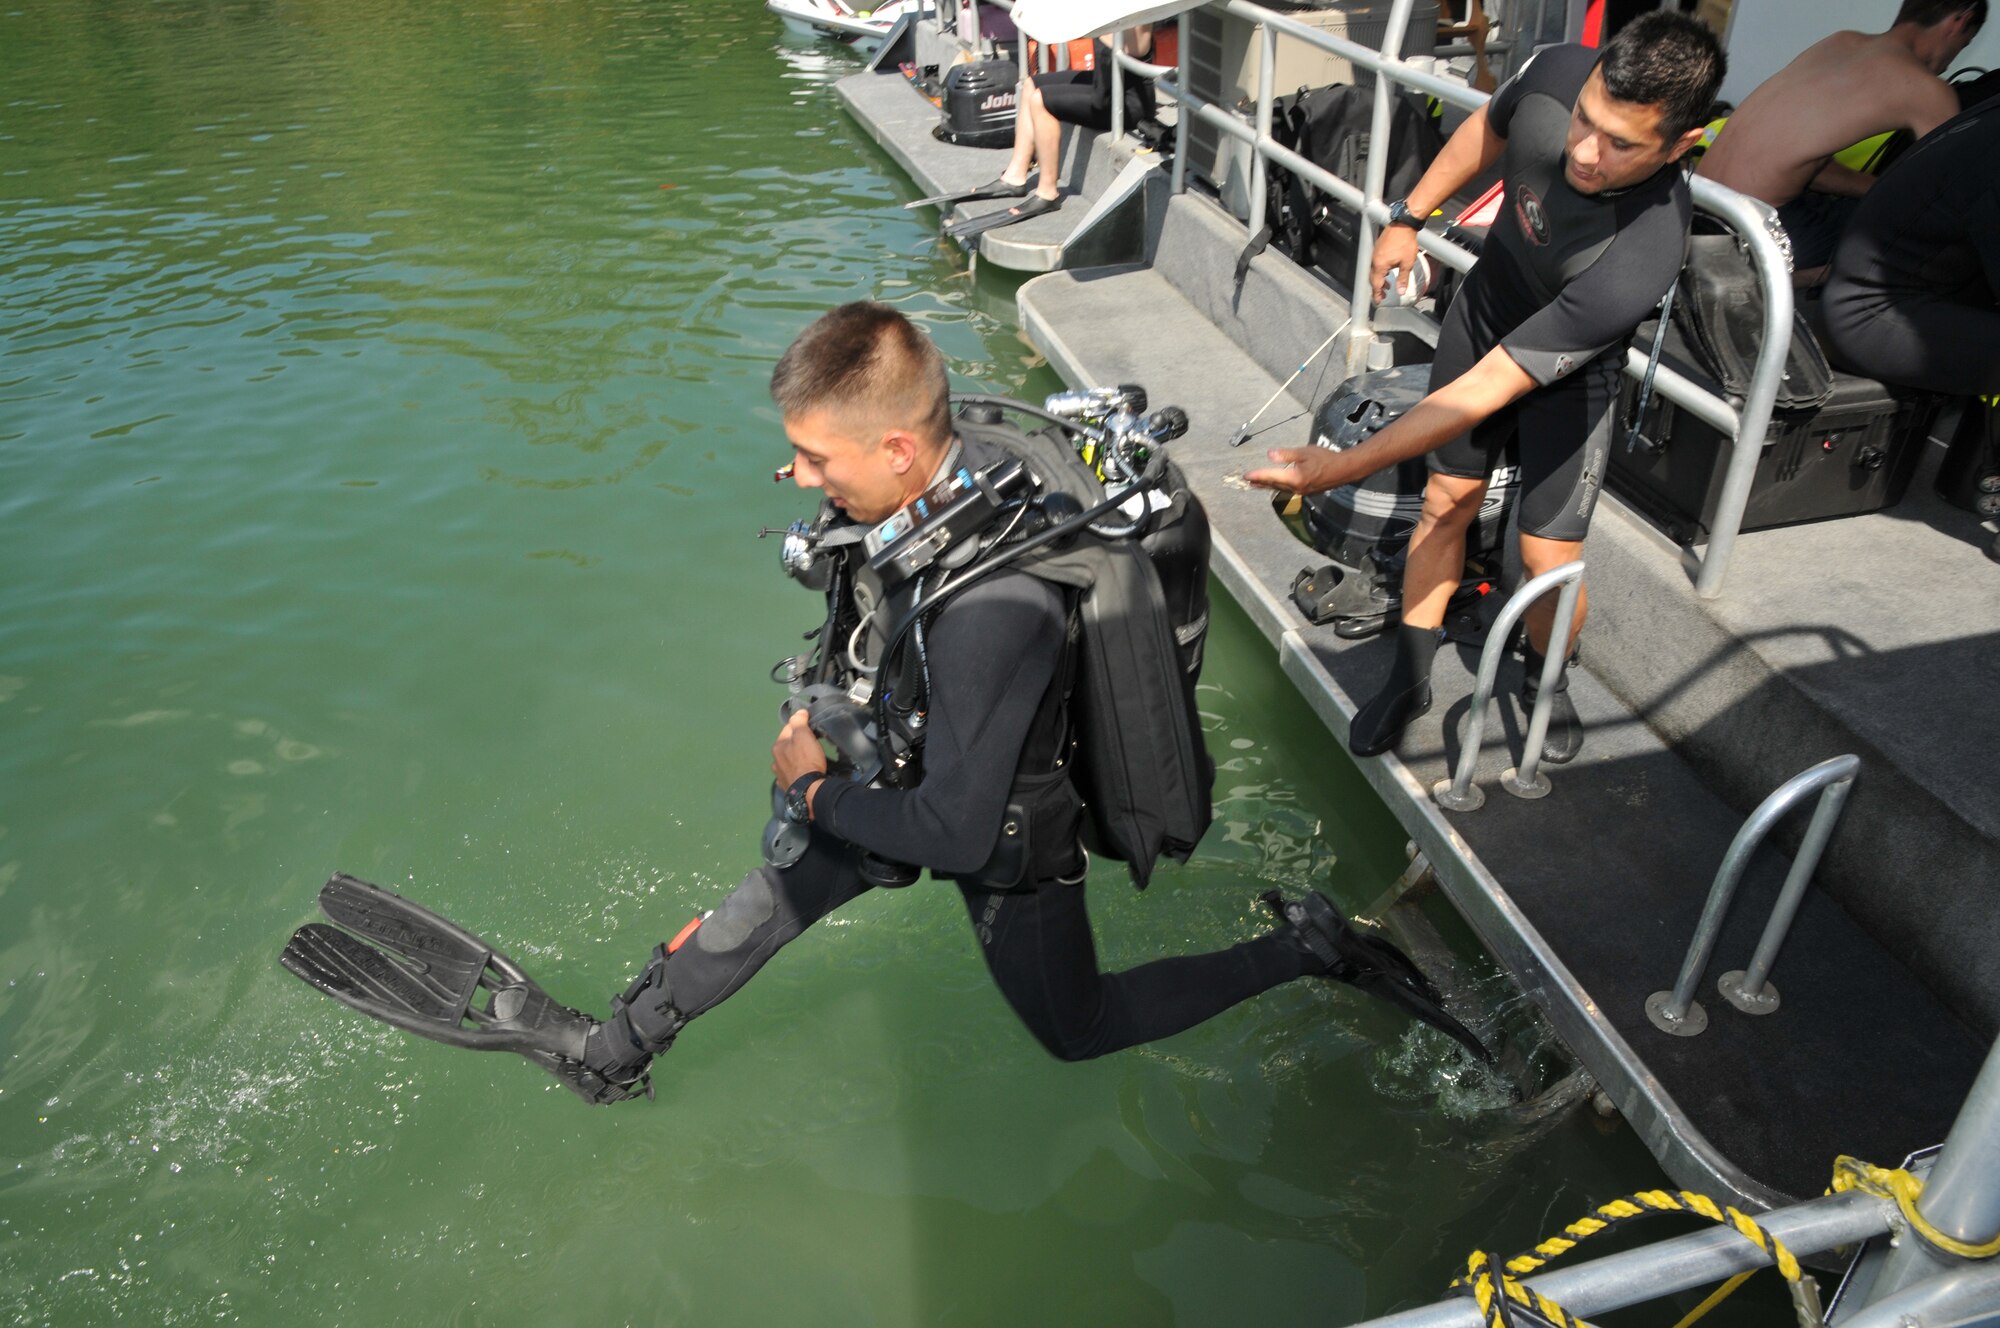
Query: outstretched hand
[[1301, 470]]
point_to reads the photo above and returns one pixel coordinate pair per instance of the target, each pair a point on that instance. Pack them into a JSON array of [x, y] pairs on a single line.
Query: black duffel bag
[[1330, 127], [1719, 311]]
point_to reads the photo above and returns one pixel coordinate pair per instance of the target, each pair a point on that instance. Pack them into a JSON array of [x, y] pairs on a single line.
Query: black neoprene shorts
[[1558, 436], [1083, 96]]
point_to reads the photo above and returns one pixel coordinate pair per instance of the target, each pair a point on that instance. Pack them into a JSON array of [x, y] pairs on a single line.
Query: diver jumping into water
[[966, 674]]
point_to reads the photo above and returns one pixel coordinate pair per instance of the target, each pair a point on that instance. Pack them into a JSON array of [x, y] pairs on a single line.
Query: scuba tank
[[1087, 502]]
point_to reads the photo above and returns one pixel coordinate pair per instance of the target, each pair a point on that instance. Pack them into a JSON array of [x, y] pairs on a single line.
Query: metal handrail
[[1959, 1198], [1459, 793], [1633, 1277], [1677, 1012], [1747, 424]]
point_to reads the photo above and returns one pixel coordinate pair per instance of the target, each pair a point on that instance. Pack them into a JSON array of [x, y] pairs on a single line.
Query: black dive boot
[[642, 1025], [1355, 953], [1404, 696], [1564, 738]]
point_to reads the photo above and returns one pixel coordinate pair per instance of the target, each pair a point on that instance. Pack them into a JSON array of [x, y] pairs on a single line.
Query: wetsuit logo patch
[[1533, 217]]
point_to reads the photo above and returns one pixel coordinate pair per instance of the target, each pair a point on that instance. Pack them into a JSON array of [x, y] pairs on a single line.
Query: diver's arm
[[991, 654], [1483, 390]]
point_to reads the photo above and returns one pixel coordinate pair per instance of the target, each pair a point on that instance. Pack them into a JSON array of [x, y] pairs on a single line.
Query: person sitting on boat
[[1779, 145], [1594, 232], [1913, 295], [1044, 104], [983, 719]]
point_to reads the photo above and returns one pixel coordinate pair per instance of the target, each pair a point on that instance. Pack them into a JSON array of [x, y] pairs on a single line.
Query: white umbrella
[[1066, 20]]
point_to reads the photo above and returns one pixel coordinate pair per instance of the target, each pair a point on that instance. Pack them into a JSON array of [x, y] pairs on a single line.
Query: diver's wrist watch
[[1400, 215], [797, 810]]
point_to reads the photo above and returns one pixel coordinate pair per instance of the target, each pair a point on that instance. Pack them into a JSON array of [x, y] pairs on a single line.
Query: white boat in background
[[864, 27]]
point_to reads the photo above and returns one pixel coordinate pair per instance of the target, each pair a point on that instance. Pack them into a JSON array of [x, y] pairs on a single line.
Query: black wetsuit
[[1914, 294], [994, 734], [1563, 280], [1083, 96]]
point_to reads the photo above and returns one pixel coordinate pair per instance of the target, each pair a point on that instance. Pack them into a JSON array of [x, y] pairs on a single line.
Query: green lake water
[[383, 436]]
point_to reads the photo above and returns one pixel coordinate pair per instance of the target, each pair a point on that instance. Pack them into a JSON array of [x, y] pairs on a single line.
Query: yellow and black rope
[[1500, 1293], [1851, 1173]]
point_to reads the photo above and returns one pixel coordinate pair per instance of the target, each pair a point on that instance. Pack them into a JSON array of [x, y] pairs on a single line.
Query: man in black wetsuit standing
[[865, 403], [1592, 233]]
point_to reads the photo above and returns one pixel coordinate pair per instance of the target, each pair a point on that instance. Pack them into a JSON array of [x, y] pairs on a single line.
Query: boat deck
[[1873, 634]]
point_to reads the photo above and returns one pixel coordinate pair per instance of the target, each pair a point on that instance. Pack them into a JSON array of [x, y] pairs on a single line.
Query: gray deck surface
[[1612, 868], [885, 104], [1871, 634]]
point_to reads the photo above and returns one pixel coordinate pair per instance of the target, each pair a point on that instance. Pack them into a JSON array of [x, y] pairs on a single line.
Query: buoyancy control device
[[1086, 500]]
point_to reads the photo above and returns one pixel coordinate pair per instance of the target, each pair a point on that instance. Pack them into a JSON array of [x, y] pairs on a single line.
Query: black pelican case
[[1853, 454]]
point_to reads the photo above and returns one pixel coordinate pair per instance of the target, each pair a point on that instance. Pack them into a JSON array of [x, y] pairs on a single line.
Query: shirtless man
[[1779, 144]]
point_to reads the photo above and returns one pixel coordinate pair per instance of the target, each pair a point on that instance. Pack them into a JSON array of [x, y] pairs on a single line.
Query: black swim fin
[[995, 188], [398, 962], [1355, 954], [1034, 205]]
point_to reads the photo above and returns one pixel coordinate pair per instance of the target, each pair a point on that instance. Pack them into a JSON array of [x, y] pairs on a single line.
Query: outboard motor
[[1366, 527], [1381, 511], [979, 104]]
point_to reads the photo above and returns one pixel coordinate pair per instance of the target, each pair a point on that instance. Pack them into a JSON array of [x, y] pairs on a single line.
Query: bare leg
[[1437, 547], [1565, 732], [1047, 140], [1540, 555], [1023, 159]]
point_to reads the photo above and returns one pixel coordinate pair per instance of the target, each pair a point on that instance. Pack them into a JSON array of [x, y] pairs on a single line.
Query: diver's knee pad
[[749, 906]]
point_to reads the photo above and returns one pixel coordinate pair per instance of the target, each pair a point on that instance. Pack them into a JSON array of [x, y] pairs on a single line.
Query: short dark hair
[[870, 365], [1667, 60], [1930, 13]]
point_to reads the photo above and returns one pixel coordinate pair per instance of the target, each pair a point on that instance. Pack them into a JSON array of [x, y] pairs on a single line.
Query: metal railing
[[1677, 1012], [1916, 1281], [1459, 793], [1746, 425]]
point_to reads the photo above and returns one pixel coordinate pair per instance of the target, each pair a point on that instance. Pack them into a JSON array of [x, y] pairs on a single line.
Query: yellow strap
[[1715, 1297], [1851, 1173]]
